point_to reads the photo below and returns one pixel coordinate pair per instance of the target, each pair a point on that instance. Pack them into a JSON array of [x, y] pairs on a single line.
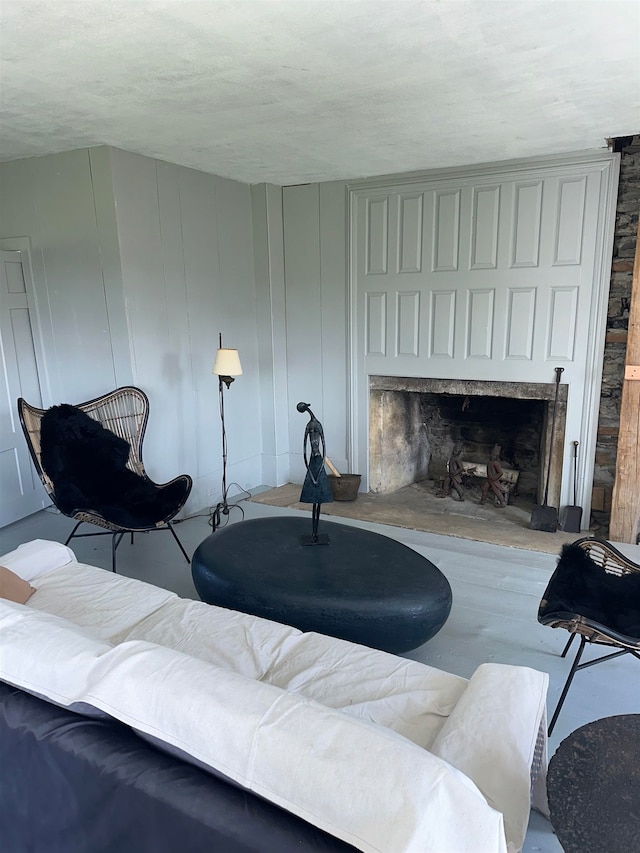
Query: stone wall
[[481, 422], [399, 449], [624, 245]]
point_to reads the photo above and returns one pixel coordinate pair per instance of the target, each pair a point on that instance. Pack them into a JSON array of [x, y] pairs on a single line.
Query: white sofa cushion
[[110, 605], [493, 703], [58, 645], [406, 696], [357, 780]]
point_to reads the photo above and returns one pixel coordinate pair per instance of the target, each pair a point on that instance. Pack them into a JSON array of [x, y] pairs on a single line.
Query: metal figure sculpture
[[316, 488], [492, 483], [455, 470]]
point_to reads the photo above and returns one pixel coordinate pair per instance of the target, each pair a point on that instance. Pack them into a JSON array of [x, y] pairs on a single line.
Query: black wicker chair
[[123, 413], [594, 593]]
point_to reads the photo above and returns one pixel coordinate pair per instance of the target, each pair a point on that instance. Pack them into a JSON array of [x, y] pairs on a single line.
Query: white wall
[[268, 249], [315, 244], [137, 265], [186, 250], [48, 209]]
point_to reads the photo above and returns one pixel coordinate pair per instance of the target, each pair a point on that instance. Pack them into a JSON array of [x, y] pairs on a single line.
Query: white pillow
[[491, 736], [32, 559]]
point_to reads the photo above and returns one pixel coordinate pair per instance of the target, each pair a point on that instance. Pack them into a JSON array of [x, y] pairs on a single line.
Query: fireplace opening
[[478, 423], [414, 424]]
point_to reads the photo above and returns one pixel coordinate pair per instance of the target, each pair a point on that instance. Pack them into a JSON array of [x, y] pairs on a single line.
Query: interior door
[[21, 492]]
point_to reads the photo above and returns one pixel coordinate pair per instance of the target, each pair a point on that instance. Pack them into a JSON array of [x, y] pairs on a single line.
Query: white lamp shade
[[227, 363]]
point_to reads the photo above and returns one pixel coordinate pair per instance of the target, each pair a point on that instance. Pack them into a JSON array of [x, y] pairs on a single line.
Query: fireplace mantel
[[470, 387]]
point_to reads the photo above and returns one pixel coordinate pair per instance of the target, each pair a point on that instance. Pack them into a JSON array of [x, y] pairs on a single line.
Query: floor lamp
[[226, 367]]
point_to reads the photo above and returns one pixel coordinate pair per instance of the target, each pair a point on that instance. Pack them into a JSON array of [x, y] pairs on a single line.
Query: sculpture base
[[320, 539]]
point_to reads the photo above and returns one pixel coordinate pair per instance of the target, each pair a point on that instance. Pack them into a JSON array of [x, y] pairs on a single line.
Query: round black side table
[[361, 587], [593, 785]]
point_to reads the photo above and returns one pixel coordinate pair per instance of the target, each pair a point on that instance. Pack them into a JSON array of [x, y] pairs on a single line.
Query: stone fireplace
[[415, 422]]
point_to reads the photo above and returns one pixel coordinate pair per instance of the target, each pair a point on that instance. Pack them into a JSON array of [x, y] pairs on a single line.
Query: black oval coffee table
[[361, 587]]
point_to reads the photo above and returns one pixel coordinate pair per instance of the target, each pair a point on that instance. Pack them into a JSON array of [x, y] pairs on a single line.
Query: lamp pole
[[227, 366]]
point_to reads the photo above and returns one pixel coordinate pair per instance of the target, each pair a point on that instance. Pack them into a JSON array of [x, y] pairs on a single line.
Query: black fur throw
[[580, 586], [87, 465]]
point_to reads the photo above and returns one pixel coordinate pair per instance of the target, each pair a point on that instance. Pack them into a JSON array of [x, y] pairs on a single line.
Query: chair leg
[[566, 648], [73, 533], [175, 536], [567, 685], [116, 539]]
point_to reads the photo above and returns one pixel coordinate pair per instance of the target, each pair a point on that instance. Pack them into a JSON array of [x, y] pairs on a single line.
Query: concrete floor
[[496, 593]]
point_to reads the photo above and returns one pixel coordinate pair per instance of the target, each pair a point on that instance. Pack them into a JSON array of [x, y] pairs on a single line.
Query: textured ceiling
[[290, 91]]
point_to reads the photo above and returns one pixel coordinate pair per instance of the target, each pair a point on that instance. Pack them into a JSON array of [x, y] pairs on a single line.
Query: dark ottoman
[[361, 587]]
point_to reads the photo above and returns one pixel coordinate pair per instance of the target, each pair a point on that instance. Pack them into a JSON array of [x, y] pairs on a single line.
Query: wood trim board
[[624, 525]]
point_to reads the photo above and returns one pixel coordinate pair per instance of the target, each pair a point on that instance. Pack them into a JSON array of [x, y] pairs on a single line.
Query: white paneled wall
[[272, 332], [495, 273], [48, 210], [186, 250], [315, 246], [136, 266]]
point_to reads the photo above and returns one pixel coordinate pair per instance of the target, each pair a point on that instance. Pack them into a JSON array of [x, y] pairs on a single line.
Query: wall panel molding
[[563, 303], [480, 318], [407, 320], [377, 236], [484, 228], [525, 225], [570, 221], [376, 323], [410, 232], [521, 309], [443, 309], [446, 230]]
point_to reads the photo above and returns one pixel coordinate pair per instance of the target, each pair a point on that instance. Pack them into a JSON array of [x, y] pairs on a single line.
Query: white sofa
[[385, 753]]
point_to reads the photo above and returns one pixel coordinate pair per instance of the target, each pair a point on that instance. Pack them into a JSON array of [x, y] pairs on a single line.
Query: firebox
[[415, 422]]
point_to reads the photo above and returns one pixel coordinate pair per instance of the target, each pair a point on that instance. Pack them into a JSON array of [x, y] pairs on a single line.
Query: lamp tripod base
[[223, 508]]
